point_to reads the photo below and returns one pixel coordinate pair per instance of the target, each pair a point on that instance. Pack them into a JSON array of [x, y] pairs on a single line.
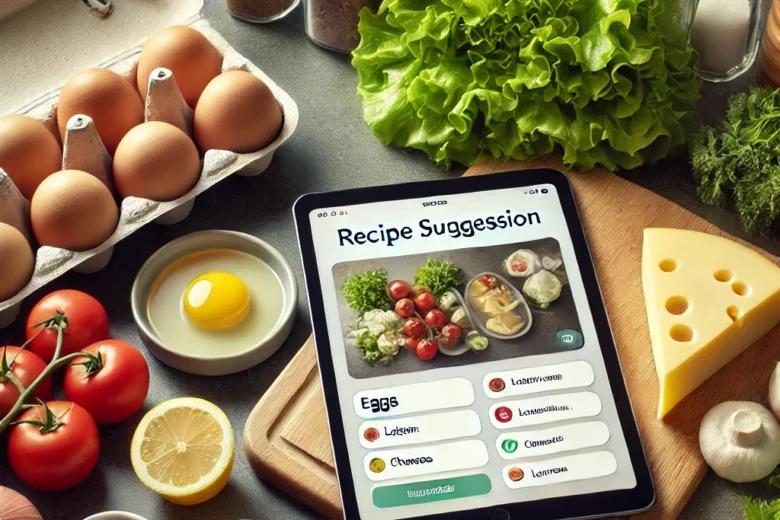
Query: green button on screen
[[431, 491]]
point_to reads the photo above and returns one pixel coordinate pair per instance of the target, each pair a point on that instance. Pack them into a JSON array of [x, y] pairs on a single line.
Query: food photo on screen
[[451, 308]]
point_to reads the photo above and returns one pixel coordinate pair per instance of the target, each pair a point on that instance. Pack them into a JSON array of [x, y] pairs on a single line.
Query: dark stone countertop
[[331, 149]]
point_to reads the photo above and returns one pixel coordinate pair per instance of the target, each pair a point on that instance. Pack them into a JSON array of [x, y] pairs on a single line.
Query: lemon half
[[183, 450]]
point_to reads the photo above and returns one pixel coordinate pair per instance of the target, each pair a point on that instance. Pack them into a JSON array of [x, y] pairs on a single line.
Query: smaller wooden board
[[287, 438]]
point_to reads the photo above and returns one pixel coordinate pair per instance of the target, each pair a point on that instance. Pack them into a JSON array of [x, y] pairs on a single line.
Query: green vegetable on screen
[[607, 82], [368, 291], [438, 275], [740, 164], [370, 347], [477, 341], [378, 336]]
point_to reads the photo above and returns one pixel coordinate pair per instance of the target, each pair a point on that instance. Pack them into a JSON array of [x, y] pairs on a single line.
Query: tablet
[[467, 362]]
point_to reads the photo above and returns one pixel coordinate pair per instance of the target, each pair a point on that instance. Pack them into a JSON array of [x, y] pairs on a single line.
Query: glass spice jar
[[726, 34], [333, 23], [260, 11]]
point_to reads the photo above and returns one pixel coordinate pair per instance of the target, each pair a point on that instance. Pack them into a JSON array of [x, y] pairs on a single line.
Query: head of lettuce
[[602, 82]]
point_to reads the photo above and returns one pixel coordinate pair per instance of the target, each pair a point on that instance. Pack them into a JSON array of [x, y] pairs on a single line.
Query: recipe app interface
[[466, 357]]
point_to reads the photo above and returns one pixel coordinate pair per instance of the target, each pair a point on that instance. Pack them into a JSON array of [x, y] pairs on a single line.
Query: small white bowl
[[115, 515], [214, 239]]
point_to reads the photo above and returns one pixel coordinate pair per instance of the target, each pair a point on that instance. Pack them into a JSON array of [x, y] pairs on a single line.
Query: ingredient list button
[[564, 469], [418, 397], [518, 445], [424, 460], [569, 338], [431, 491], [546, 409], [575, 374], [419, 429]]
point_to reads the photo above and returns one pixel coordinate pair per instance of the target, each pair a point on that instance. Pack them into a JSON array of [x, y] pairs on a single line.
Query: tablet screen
[[465, 353]]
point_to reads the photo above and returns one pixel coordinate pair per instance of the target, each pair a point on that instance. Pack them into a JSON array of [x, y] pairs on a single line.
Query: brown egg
[[107, 98], [156, 161], [193, 60], [28, 152], [73, 210], [17, 261], [236, 112]]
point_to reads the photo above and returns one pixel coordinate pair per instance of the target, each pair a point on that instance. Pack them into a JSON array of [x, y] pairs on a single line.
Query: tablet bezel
[[607, 503]]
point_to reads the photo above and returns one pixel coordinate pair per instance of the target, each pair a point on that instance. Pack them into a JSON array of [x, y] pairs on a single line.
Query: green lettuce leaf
[[607, 82]]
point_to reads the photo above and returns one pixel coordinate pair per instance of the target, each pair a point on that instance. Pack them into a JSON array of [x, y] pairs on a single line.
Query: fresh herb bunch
[[438, 276], [368, 291], [757, 509], [609, 83], [740, 165]]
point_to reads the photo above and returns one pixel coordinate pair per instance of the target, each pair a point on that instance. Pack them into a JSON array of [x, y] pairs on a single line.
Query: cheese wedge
[[708, 299]]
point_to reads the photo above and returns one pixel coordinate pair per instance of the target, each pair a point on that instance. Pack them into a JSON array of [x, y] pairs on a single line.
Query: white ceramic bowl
[[213, 365], [115, 515]]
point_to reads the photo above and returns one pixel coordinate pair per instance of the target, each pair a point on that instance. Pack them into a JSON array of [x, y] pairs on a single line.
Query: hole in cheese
[[740, 288], [677, 305], [733, 312], [681, 333], [724, 275], [668, 265]]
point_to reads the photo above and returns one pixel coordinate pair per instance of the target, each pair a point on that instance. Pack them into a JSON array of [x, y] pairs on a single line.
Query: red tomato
[[59, 457], [417, 290], [26, 366], [426, 350], [489, 280], [411, 343], [414, 328], [435, 318], [404, 307], [520, 266], [398, 289], [113, 389], [450, 334], [425, 302], [87, 323]]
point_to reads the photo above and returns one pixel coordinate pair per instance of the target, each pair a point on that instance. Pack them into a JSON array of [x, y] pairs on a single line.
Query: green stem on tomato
[[60, 322], [49, 422], [24, 345], [16, 381]]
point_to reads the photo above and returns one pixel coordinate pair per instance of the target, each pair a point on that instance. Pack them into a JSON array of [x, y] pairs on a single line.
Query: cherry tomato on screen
[[450, 334], [398, 289], [435, 318], [417, 290], [426, 350], [411, 343], [404, 308], [425, 303], [414, 328]]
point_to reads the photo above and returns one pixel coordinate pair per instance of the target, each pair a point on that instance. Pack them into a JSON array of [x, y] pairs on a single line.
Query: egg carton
[[83, 150]]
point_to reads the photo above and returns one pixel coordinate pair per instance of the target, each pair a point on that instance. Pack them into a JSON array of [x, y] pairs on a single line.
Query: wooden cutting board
[[286, 436]]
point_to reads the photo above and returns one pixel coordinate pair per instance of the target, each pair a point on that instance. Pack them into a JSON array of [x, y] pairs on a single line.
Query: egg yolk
[[216, 301]]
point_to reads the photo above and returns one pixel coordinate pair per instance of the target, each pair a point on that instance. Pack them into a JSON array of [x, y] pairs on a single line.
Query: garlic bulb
[[740, 441], [774, 391], [13, 506]]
